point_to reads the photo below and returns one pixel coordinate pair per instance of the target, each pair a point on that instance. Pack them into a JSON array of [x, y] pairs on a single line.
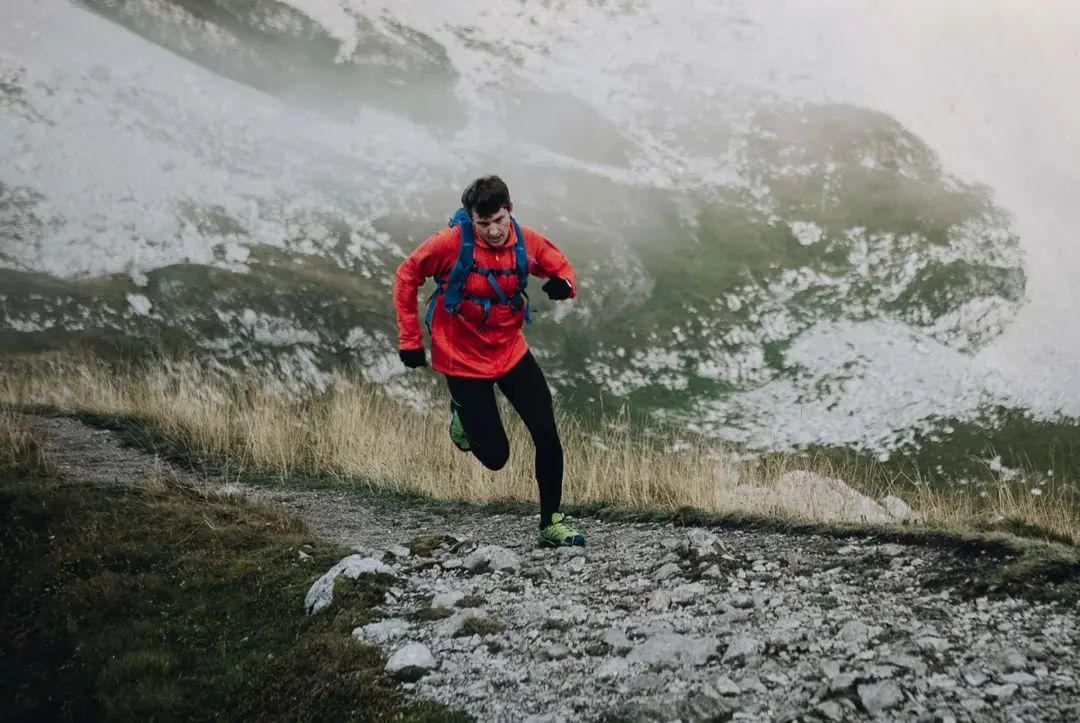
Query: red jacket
[[465, 345]]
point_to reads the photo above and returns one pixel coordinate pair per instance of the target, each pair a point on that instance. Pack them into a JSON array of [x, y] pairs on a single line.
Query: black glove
[[557, 289], [413, 358]]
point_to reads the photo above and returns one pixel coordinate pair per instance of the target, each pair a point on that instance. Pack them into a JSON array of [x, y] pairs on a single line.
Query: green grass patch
[[168, 602], [480, 626]]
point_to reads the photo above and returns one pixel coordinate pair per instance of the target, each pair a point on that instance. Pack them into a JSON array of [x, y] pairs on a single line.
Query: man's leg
[[474, 401], [528, 392]]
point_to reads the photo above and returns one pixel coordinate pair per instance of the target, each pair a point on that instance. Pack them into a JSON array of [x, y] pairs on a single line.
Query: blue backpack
[[452, 287]]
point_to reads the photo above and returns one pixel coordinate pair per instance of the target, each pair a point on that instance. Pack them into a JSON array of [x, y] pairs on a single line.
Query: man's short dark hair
[[485, 196]]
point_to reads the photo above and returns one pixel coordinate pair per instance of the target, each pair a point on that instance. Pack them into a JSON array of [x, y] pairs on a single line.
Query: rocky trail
[[653, 622]]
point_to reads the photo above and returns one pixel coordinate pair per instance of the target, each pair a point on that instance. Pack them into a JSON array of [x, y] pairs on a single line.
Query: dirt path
[[653, 622]]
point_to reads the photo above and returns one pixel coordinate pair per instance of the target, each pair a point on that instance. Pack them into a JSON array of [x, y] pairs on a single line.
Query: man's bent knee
[[493, 458]]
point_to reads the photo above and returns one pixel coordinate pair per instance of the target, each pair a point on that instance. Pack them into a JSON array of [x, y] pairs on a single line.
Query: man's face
[[493, 229]]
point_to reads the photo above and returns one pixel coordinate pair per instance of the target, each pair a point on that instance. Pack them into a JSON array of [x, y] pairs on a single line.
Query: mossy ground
[[164, 602]]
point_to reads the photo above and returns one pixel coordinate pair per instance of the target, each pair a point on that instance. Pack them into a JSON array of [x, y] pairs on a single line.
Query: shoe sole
[[544, 542]]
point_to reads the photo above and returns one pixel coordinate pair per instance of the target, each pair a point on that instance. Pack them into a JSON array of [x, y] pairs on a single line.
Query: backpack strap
[[522, 257], [454, 291]]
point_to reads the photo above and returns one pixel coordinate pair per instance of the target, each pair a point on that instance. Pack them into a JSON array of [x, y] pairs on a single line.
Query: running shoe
[[457, 431], [560, 534]]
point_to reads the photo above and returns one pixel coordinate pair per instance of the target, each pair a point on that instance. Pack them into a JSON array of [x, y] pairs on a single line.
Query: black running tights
[[527, 390]]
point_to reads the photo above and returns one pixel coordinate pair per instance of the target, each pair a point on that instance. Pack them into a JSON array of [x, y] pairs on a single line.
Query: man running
[[481, 265]]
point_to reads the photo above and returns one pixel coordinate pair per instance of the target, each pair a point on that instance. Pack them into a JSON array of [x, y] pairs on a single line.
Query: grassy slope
[[160, 602]]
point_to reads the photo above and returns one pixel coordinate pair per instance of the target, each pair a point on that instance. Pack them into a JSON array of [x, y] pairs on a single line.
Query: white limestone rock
[[492, 558], [381, 632], [667, 650], [321, 593], [411, 662]]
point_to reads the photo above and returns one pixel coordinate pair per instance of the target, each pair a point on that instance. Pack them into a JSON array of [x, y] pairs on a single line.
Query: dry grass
[[20, 449], [356, 434], [1029, 505]]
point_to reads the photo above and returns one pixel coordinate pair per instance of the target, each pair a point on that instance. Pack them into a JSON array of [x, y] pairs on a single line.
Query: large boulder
[[808, 494]]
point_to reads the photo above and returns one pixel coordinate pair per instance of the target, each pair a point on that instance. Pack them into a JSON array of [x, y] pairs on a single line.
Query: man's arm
[[550, 263], [428, 259]]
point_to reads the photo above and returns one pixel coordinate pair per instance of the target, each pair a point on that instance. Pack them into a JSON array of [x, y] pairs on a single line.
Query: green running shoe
[[560, 534], [457, 432]]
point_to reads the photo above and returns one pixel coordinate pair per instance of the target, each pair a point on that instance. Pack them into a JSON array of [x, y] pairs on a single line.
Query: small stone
[[411, 662], [742, 601], [1038, 652], [577, 564], [1011, 660], [940, 681], [659, 601], [891, 549], [704, 707], [912, 663], [943, 715], [616, 640], [555, 651], [830, 668], [741, 648], [1019, 678], [830, 710], [686, 594], [303, 556], [854, 631], [492, 558], [974, 678], [877, 697], [381, 632], [668, 570], [702, 542], [752, 684], [712, 572], [373, 552], [726, 686], [644, 683], [736, 616], [670, 649], [447, 599], [1001, 692], [612, 669], [932, 643], [972, 705], [399, 551], [452, 564]]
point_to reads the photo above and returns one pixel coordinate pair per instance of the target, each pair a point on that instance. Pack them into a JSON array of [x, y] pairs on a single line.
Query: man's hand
[[557, 288], [413, 358]]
